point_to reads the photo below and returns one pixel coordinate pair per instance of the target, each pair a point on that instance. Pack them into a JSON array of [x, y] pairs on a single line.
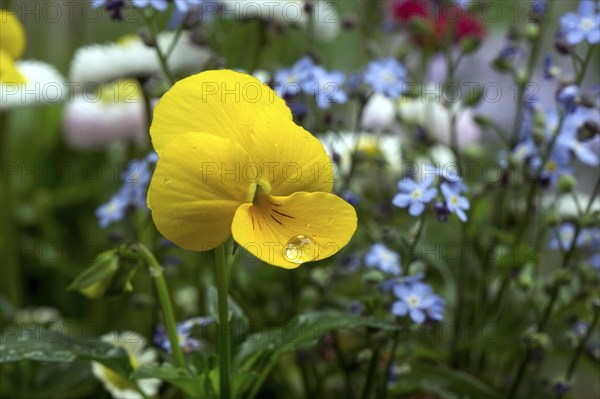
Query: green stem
[[224, 338], [582, 343], [164, 299], [355, 131], [11, 280], [555, 289], [523, 84], [159, 53], [595, 193], [366, 392], [390, 362], [584, 65], [452, 65], [263, 376], [409, 259]]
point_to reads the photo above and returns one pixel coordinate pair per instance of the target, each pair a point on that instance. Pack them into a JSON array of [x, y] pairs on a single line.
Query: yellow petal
[[8, 70], [199, 182], [223, 103], [289, 157], [288, 231], [12, 39]]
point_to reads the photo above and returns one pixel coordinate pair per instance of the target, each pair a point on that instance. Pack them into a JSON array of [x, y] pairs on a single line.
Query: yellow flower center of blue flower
[[551, 166], [388, 76], [586, 24], [417, 194], [413, 301], [454, 200]]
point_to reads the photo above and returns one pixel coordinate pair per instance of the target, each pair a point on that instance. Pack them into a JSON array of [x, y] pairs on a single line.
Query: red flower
[[405, 10], [469, 26]]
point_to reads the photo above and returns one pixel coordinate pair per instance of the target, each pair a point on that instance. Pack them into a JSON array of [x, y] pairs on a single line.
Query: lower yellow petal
[[291, 230], [9, 74], [199, 182]]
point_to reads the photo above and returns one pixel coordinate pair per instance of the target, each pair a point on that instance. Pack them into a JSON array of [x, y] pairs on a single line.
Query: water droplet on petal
[[300, 249], [166, 181]]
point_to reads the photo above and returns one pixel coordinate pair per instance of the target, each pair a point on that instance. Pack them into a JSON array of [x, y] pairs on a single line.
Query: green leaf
[[517, 257], [305, 331], [46, 345], [444, 382], [181, 378]]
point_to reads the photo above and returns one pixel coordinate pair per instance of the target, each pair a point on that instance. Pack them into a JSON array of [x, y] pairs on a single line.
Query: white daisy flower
[[43, 84], [119, 387], [379, 114], [325, 16], [130, 57], [435, 119], [115, 112], [342, 145], [566, 205]]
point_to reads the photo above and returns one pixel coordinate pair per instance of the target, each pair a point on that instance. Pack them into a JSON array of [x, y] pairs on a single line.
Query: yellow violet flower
[[232, 162]]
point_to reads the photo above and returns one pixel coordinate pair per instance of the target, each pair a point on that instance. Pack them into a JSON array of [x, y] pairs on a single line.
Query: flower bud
[[110, 274], [372, 277], [532, 31], [562, 47], [470, 44], [502, 64], [562, 277], [538, 340], [566, 183]]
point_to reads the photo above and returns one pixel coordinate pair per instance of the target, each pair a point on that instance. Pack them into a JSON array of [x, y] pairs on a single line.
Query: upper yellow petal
[[288, 231], [8, 70], [238, 106], [289, 157], [12, 37], [198, 184], [223, 103]]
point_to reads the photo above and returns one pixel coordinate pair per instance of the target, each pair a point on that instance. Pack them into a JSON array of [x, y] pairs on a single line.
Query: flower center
[[551, 166], [111, 208], [454, 200], [566, 236], [259, 192], [586, 24], [386, 257], [291, 78], [413, 301], [417, 194], [388, 76]]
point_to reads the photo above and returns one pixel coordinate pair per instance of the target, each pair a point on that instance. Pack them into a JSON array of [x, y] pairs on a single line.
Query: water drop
[[166, 181], [300, 249]]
